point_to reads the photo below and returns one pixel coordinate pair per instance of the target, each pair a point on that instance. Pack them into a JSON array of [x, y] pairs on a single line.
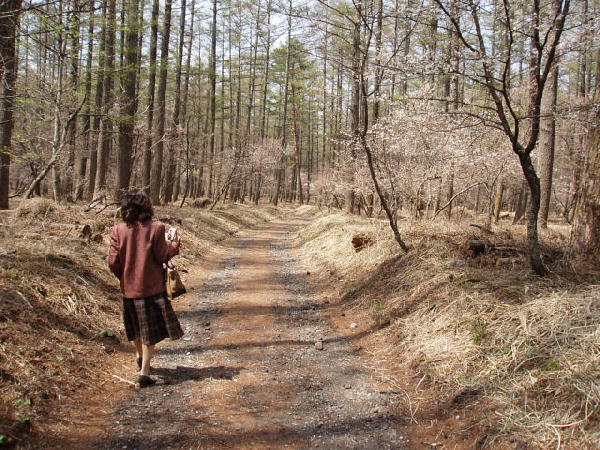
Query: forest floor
[[296, 340]]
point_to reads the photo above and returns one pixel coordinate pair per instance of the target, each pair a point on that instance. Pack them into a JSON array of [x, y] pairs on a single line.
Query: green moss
[[478, 331], [550, 365], [379, 306]]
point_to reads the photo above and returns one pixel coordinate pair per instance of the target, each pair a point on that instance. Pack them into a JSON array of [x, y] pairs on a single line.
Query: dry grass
[[60, 311], [36, 208], [531, 346]]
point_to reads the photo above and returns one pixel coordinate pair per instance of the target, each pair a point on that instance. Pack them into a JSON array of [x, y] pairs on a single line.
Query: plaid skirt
[[150, 319]]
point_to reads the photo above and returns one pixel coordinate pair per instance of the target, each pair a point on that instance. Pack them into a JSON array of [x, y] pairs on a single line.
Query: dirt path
[[247, 373]]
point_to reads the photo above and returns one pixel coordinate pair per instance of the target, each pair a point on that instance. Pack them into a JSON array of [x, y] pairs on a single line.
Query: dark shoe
[[145, 381]]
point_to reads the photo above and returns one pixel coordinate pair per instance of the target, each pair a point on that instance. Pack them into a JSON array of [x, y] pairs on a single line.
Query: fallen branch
[[107, 205], [95, 202], [482, 228], [25, 299], [124, 380]]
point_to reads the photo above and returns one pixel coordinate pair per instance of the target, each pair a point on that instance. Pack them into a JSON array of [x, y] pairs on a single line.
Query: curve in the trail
[[247, 374]]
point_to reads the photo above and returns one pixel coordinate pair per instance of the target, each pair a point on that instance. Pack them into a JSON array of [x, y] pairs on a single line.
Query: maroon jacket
[[136, 256]]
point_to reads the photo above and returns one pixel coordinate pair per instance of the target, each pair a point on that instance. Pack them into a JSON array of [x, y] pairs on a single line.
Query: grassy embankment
[[60, 311], [497, 355]]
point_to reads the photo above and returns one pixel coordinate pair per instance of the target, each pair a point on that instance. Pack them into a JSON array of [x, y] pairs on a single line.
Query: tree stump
[[361, 241]]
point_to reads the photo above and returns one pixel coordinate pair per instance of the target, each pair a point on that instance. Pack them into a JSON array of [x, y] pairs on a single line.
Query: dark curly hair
[[136, 207]]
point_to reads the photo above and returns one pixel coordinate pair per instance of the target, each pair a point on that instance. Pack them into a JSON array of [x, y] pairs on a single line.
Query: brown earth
[[250, 371]]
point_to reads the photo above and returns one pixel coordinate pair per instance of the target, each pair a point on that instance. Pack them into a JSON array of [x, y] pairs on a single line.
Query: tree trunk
[[9, 23], [106, 124], [93, 160], [73, 33], [58, 94], [213, 98], [535, 256], [87, 118], [280, 171], [355, 100], [547, 144], [521, 203], [263, 113], [324, 116], [147, 163], [498, 200], [174, 141], [450, 193], [236, 186], [128, 100], [298, 150], [252, 84], [392, 217], [378, 67], [159, 137], [184, 107], [585, 234]]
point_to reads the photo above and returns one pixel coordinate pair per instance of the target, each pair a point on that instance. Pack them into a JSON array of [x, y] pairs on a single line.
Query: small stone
[[319, 345], [348, 386], [343, 314], [457, 417], [353, 325], [207, 324]]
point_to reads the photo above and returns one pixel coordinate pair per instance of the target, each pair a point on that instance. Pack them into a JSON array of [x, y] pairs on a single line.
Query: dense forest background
[[408, 107]]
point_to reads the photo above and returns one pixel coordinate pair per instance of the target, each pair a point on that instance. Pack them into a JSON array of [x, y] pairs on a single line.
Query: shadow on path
[[182, 374], [258, 344]]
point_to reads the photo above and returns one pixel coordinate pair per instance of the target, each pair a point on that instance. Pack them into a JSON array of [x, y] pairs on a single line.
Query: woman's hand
[[176, 239]]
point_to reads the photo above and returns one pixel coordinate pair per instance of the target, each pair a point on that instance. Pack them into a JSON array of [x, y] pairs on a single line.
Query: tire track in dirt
[[247, 373]]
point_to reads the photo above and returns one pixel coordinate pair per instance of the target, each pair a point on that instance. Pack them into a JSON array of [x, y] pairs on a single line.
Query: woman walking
[[138, 250]]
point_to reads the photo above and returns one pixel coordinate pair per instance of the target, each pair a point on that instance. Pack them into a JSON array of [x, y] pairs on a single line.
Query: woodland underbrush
[[475, 329], [60, 311]]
